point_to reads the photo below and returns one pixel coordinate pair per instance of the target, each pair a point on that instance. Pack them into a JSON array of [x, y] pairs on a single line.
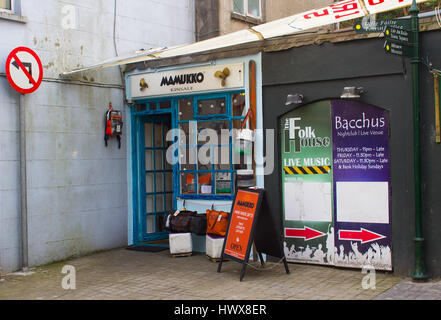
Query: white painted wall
[[77, 188]]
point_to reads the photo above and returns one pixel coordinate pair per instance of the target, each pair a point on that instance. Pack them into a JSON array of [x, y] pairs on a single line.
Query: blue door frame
[[151, 204]]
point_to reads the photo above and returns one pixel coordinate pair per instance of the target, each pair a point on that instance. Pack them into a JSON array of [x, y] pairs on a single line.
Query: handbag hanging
[[217, 222]]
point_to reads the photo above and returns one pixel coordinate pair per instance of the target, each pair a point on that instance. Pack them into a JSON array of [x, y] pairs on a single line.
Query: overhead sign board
[[378, 26], [24, 70], [335, 13], [190, 80]]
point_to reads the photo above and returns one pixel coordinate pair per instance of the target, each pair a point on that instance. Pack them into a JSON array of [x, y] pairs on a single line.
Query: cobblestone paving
[[408, 290], [122, 274]]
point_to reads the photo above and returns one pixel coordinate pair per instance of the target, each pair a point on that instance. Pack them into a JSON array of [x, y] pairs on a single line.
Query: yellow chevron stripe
[[317, 169], [288, 169], [307, 170], [298, 170]]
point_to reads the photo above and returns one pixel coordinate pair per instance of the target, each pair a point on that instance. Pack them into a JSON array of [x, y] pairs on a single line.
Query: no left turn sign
[[24, 70]]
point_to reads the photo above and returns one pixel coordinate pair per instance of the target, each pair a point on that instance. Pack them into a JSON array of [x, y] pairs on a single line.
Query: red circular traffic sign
[[24, 70]]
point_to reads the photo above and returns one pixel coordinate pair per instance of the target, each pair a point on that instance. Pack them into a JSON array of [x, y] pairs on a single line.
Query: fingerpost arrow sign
[[305, 233], [363, 235], [24, 70]]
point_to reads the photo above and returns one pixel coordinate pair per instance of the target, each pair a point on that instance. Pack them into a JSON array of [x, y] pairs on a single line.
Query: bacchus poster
[[335, 182]]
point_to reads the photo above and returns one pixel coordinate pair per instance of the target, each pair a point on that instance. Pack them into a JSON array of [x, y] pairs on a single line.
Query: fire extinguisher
[[113, 125]]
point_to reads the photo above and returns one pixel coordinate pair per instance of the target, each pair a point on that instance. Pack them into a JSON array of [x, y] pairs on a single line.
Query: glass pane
[[238, 105], [188, 133], [187, 183], [152, 106], [183, 134], [158, 135], [205, 183], [168, 166], [159, 160], [160, 222], [254, 8], [167, 128], [187, 158], [214, 132], [150, 224], [223, 183], [238, 6], [149, 204], [205, 157], [222, 157], [149, 186], [160, 203], [211, 107], [138, 107], [165, 105], [185, 109], [159, 182], [149, 159], [169, 202], [148, 135]]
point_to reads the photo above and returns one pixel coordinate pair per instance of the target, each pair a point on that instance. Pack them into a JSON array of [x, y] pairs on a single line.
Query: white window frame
[[246, 12], [7, 10]]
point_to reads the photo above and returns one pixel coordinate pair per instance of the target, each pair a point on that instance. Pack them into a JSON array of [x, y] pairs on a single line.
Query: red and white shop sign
[[24, 70], [342, 11]]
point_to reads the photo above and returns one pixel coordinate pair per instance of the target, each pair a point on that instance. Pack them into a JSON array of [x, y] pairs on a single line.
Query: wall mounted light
[[352, 92], [295, 98]]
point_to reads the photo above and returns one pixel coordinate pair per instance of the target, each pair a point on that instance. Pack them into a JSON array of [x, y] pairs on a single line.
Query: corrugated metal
[[335, 13]]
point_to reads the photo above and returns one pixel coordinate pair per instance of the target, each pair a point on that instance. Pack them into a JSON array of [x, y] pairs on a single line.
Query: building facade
[[77, 188], [219, 17]]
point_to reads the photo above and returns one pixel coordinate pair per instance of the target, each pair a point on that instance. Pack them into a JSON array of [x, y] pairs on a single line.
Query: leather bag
[[217, 222]]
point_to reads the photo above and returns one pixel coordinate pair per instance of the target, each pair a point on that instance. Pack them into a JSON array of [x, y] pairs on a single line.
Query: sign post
[[420, 270], [24, 72], [248, 223]]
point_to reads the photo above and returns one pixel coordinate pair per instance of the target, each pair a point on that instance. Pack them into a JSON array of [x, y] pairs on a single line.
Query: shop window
[[206, 167], [248, 8], [11, 10], [6, 5]]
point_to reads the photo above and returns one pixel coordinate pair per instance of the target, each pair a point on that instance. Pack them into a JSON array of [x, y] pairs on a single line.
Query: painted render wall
[[77, 188]]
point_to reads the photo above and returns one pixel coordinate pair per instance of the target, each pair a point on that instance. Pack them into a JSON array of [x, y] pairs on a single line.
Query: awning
[[335, 13]]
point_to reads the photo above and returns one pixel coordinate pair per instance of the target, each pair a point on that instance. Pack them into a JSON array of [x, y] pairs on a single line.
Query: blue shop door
[[156, 176]]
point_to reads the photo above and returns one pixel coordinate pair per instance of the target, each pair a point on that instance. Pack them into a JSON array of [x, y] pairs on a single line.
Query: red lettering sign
[[241, 224]]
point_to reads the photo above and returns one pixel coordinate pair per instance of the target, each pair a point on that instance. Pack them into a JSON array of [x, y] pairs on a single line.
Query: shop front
[[183, 138]]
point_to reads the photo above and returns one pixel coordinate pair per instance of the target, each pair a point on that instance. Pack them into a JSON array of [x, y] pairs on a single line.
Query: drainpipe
[[419, 270], [23, 185]]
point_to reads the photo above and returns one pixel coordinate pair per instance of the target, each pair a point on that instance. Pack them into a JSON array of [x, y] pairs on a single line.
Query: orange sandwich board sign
[[249, 223], [24, 70]]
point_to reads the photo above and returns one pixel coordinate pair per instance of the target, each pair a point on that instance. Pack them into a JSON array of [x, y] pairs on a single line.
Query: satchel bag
[[198, 224], [217, 222], [180, 223]]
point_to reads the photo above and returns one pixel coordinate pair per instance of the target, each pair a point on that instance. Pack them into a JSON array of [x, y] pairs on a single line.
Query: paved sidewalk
[[122, 274]]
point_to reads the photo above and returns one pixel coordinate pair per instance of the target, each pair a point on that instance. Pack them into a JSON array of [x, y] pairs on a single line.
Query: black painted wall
[[321, 72]]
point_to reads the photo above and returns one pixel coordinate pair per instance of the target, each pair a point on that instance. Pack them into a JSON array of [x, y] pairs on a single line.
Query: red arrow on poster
[[305, 233], [363, 235]]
